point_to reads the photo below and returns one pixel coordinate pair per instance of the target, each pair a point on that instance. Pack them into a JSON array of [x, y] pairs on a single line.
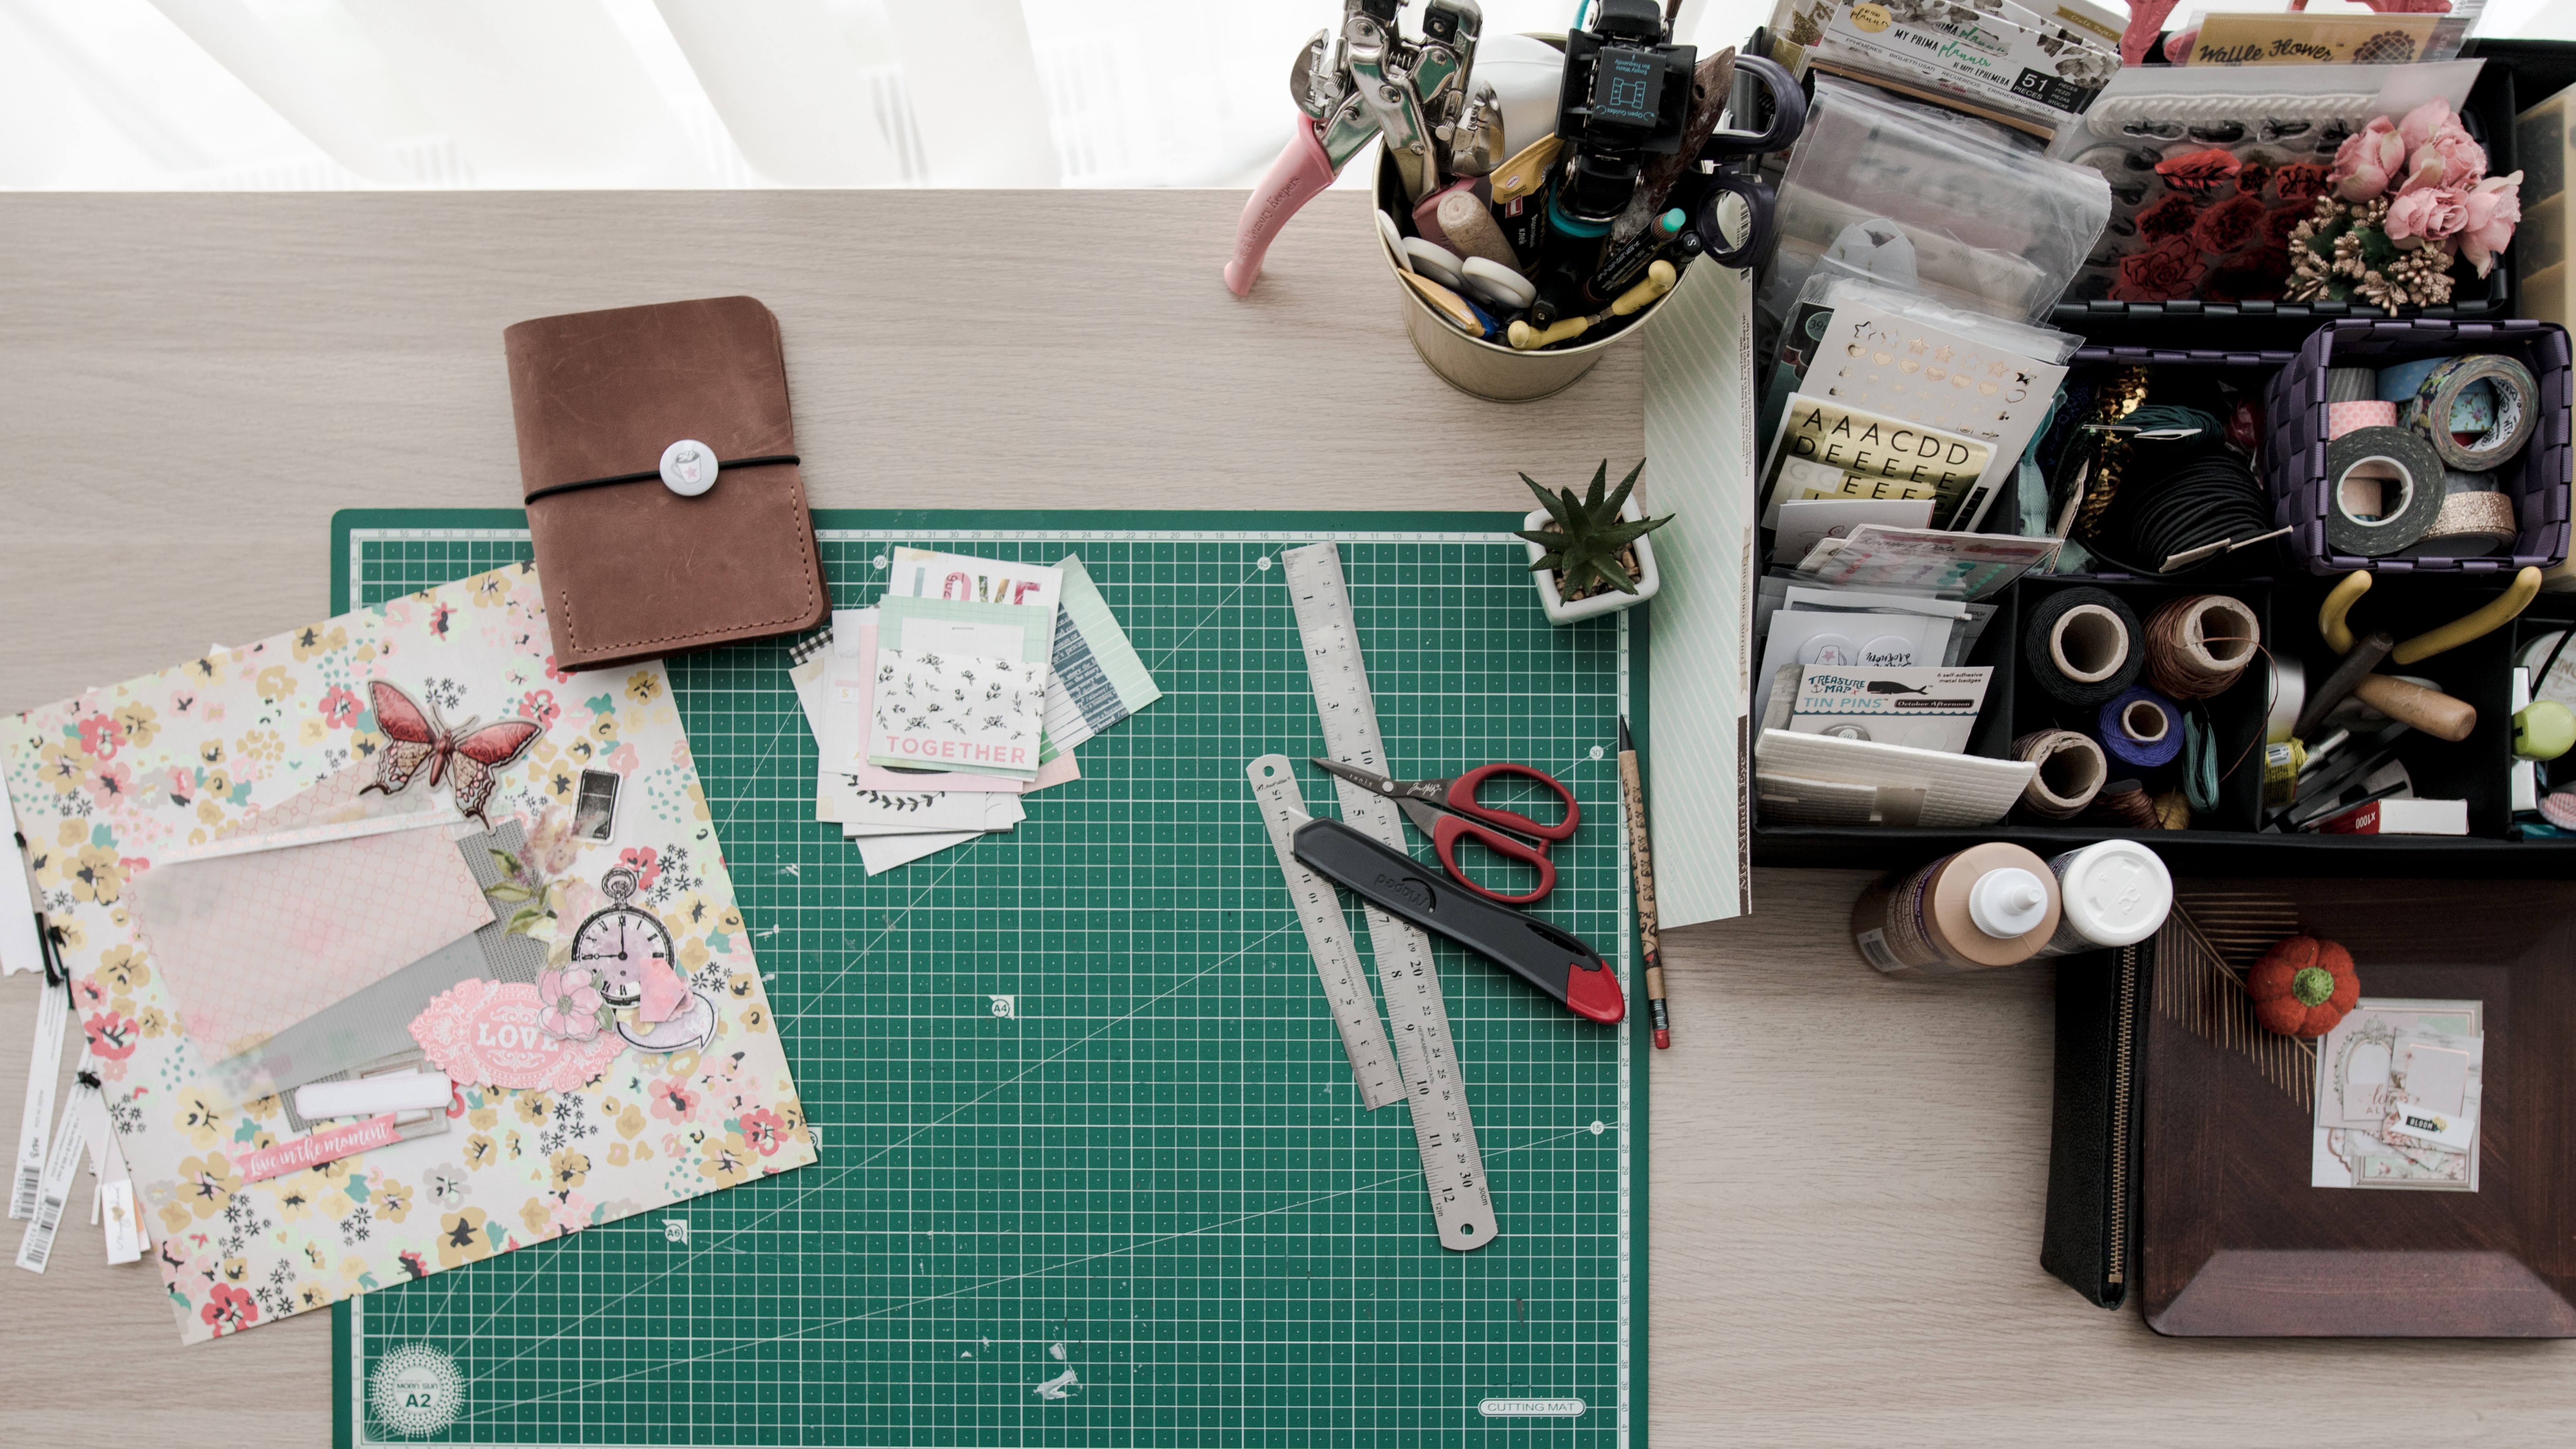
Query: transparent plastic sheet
[[2270, 116], [1968, 213]]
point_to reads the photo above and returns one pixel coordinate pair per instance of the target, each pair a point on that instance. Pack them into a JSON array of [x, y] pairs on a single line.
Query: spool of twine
[[2200, 646], [2125, 802], [2071, 772]]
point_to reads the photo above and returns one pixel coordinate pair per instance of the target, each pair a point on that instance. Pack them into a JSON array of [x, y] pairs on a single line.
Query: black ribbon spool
[[2090, 643]]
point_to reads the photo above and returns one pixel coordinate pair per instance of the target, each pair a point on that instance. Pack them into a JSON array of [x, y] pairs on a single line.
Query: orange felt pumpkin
[[2303, 986]]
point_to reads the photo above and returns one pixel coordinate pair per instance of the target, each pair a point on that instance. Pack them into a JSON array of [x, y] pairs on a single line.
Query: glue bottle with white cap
[[2117, 893], [1988, 905]]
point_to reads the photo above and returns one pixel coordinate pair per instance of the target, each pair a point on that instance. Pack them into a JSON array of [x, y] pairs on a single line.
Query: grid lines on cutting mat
[[1156, 1166]]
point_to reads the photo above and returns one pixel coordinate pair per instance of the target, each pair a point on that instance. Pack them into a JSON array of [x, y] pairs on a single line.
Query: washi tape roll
[[2399, 384], [2470, 524], [2141, 730], [2346, 417], [2288, 696], [2477, 411], [2537, 654], [2351, 384], [2082, 646], [2071, 772], [2383, 492]]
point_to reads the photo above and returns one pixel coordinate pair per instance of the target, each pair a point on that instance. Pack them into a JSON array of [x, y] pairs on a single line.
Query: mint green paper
[[1102, 680]]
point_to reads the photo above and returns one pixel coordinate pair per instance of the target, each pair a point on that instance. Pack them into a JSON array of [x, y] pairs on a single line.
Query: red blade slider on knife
[[1547, 958]]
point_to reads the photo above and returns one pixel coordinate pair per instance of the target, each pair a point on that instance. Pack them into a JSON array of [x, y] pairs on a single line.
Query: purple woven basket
[[2294, 453]]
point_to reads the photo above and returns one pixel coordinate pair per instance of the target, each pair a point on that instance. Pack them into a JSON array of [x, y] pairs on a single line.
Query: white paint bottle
[[2117, 893]]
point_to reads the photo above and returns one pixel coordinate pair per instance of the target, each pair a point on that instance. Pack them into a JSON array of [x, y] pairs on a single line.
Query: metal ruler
[[1452, 1168], [1328, 935]]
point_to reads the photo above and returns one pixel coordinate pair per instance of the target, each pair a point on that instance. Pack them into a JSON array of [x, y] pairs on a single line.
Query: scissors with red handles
[[1446, 810]]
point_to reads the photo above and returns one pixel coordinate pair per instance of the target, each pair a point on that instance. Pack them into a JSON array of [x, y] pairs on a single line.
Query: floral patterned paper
[[109, 783]]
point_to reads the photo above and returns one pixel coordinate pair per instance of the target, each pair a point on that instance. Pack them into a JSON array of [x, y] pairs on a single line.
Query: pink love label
[[488, 1032]]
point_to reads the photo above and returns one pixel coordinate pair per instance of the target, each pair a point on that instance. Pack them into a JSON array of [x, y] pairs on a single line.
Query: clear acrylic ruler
[[1452, 1168], [1328, 935]]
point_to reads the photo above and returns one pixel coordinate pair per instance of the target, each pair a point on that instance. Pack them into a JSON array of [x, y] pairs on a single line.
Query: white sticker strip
[[369, 1096], [44, 1063], [55, 1188], [1453, 1169]]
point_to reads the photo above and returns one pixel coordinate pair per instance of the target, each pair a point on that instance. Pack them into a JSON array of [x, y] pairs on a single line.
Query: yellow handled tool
[[1657, 281]]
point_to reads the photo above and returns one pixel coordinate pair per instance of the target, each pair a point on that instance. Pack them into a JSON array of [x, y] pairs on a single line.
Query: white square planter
[[1608, 601]]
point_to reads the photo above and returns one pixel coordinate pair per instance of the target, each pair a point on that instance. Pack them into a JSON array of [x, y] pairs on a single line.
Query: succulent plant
[[1586, 536]]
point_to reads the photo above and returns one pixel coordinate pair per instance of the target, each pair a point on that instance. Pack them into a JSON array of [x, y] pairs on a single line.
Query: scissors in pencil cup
[[1447, 811]]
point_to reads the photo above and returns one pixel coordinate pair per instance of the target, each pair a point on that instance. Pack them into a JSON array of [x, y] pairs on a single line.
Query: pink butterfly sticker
[[491, 1032]]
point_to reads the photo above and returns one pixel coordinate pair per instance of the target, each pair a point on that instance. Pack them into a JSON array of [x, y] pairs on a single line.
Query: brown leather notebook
[[658, 463]]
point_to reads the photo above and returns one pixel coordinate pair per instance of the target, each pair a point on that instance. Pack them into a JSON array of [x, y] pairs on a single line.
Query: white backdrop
[[307, 94]]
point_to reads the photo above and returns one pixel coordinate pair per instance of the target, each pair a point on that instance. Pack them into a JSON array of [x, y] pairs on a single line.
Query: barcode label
[[1873, 944], [23, 1200], [40, 1238]]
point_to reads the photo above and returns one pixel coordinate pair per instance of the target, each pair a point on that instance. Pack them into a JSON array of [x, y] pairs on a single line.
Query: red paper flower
[[2278, 223], [2252, 178], [2228, 225], [2301, 184], [2201, 171], [2170, 217], [2169, 271]]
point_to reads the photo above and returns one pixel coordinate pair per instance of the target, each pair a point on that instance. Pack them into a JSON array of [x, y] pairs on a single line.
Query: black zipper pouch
[[2090, 1237]]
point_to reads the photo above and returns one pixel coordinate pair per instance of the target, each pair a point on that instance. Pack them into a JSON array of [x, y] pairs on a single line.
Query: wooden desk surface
[[1847, 1174]]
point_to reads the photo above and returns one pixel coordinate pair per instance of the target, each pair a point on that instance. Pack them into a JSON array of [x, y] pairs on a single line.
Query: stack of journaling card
[[966, 687]]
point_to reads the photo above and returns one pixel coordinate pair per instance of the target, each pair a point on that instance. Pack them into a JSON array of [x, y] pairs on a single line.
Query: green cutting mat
[[1156, 1175]]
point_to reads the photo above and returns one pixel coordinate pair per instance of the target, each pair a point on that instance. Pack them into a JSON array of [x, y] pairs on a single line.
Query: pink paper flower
[[2429, 215], [2492, 207], [2368, 161], [572, 1004], [2439, 151]]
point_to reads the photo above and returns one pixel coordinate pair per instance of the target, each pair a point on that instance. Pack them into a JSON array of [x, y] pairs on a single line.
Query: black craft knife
[[1547, 958]]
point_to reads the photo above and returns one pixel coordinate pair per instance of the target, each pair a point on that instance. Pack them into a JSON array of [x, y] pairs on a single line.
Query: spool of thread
[[2071, 772], [2384, 491], [2345, 417], [2140, 730], [2199, 647], [2476, 411], [2082, 646], [2126, 802], [1472, 230], [2287, 696], [2470, 524], [2553, 669], [2282, 762], [2116, 893], [2350, 384], [1989, 905], [2173, 810]]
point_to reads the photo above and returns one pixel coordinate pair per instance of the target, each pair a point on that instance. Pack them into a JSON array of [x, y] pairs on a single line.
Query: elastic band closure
[[655, 474]]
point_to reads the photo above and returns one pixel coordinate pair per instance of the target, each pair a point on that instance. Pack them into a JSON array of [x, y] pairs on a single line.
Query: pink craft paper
[[664, 994], [488, 1032], [262, 1163], [253, 940]]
